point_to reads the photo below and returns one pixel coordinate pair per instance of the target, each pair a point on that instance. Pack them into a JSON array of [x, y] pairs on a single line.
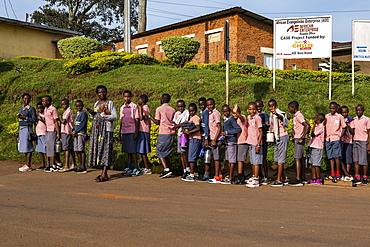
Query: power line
[[168, 12], [11, 6], [6, 9], [321, 12], [217, 2], [187, 5], [164, 17]]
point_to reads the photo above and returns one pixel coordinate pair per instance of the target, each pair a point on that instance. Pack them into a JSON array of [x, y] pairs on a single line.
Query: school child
[[66, 125], [335, 128], [316, 144], [254, 139], [40, 132], [181, 116], [26, 119], [79, 132], [143, 140], [360, 129], [300, 130], [346, 146], [265, 126], [231, 129], [241, 144], [204, 130], [278, 125], [163, 117], [129, 129], [195, 142], [214, 140]]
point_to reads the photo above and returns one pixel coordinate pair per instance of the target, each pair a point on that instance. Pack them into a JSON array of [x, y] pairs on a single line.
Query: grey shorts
[[333, 149], [347, 152], [50, 143], [230, 153], [256, 159], [67, 142], [164, 145], [79, 143], [180, 149], [242, 150], [316, 156], [360, 152], [298, 148], [194, 147], [217, 150], [128, 143], [281, 147]]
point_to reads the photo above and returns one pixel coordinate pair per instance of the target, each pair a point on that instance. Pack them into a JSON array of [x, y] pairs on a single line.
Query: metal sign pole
[[227, 58]]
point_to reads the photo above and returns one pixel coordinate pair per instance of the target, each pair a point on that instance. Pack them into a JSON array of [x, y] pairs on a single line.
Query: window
[[214, 37], [159, 43], [142, 51], [251, 59]]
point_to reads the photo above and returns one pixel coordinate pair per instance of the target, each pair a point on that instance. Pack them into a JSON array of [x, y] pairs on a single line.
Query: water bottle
[[201, 153], [58, 146], [208, 156]]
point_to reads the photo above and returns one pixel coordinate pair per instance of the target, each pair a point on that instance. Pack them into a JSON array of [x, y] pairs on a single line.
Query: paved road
[[53, 209]]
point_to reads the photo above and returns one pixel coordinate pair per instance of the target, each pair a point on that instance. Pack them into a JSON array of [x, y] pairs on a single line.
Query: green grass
[[40, 77]]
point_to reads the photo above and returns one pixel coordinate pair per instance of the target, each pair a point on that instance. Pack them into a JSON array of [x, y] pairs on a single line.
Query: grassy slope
[[47, 77]]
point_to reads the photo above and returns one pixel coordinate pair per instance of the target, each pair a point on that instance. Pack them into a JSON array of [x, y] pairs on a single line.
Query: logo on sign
[[302, 28], [303, 45]]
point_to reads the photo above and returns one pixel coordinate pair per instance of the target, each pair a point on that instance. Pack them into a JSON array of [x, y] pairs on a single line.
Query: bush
[[135, 58], [78, 47], [104, 64], [108, 54], [34, 58], [191, 66], [166, 62], [180, 50], [78, 66]]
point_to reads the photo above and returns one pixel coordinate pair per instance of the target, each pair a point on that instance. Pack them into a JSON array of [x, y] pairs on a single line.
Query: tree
[[340, 66], [180, 50], [97, 19], [142, 16]]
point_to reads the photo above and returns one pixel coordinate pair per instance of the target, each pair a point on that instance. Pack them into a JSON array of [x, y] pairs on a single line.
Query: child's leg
[[28, 159], [313, 169], [337, 166], [280, 173], [144, 158], [298, 154], [344, 169], [184, 160], [256, 169], [349, 166], [67, 154], [134, 159], [42, 158], [83, 160], [303, 170], [73, 157], [317, 172]]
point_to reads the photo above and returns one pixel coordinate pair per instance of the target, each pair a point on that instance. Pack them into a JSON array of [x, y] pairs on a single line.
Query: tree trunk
[[142, 16]]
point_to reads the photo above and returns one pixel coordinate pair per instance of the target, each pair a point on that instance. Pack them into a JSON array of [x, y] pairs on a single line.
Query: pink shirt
[[282, 129], [128, 114], [196, 120], [334, 126], [214, 119], [165, 114], [50, 114], [68, 125], [298, 126], [253, 126], [242, 136], [347, 137], [318, 140], [145, 123], [40, 127], [361, 125]]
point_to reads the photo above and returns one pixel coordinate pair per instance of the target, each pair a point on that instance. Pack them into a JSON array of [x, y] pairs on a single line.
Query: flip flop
[[100, 179]]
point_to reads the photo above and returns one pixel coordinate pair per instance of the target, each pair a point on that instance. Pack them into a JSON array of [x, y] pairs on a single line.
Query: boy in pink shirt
[[163, 117], [334, 128], [300, 130], [181, 116], [66, 125], [241, 144], [254, 139], [40, 132], [347, 146], [360, 129], [129, 130], [143, 140], [317, 145]]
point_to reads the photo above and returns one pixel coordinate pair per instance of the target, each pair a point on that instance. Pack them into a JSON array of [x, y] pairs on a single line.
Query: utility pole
[[142, 16], [227, 56], [127, 25]]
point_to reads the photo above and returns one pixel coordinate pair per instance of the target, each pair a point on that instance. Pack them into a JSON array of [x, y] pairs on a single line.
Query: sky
[[164, 12]]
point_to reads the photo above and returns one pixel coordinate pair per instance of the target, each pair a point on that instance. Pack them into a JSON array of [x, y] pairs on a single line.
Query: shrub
[[167, 62], [34, 58], [180, 50], [135, 58], [108, 54], [191, 66], [104, 64], [78, 66], [78, 47]]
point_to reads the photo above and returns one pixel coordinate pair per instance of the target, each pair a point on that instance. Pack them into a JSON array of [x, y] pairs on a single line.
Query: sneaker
[[254, 184], [215, 180], [296, 183], [135, 172], [348, 178], [238, 182], [197, 178], [25, 168], [277, 184], [147, 171], [64, 169], [51, 169], [165, 174], [226, 181], [185, 174], [80, 170], [204, 179], [188, 179], [312, 181], [304, 181], [72, 167], [57, 167], [265, 181], [365, 181], [250, 180], [335, 179], [126, 171], [41, 168], [357, 181], [285, 181], [330, 177], [319, 181]]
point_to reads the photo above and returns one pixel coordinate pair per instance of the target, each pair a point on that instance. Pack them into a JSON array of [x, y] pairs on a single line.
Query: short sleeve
[[300, 119], [146, 108], [157, 114], [55, 113], [259, 122], [218, 117], [136, 113], [121, 112]]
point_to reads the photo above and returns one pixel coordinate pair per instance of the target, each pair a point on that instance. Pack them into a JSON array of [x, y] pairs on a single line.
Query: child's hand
[[223, 133], [206, 143], [135, 136], [257, 149], [300, 141], [214, 143], [267, 123]]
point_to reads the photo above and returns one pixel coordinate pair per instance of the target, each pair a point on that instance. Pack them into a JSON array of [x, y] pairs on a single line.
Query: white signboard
[[304, 37], [361, 40]]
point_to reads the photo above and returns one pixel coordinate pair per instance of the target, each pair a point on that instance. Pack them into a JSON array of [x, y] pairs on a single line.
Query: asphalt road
[[68, 209]]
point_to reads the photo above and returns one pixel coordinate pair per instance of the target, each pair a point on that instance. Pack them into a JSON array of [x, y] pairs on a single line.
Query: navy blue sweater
[[232, 128], [30, 117], [205, 123], [81, 123]]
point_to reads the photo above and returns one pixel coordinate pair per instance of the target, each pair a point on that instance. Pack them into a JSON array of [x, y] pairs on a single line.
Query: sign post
[[303, 37], [227, 57]]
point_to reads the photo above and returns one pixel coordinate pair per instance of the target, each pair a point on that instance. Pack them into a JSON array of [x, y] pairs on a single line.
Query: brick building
[[251, 39]]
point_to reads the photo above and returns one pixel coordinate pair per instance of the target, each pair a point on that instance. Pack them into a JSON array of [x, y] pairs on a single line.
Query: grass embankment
[[40, 77]]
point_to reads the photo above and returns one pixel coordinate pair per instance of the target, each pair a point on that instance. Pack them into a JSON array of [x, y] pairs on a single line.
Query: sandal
[[100, 179]]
